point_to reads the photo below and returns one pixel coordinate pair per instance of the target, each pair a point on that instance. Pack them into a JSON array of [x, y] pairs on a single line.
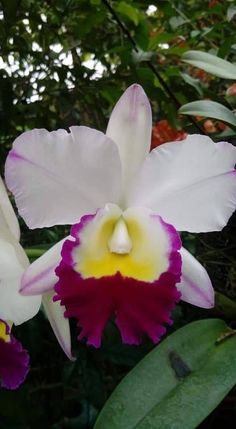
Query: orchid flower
[[15, 308], [123, 257]]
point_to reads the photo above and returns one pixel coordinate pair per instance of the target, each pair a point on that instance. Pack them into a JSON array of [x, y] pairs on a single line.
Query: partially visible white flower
[[13, 262], [14, 307]]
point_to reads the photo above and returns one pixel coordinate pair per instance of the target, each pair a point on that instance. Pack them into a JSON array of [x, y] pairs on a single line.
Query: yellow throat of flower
[[3, 335], [127, 243]]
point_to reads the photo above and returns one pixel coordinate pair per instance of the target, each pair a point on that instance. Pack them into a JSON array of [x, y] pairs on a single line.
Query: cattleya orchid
[[123, 257], [16, 309]]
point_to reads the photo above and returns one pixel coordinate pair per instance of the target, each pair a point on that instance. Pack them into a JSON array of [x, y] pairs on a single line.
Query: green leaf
[[129, 11], [209, 109], [231, 11], [195, 83], [227, 133], [178, 383], [141, 56], [177, 21], [226, 305], [210, 63], [155, 41]]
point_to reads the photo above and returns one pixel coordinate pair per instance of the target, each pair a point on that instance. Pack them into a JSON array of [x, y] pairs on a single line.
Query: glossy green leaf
[[210, 63], [209, 109], [178, 383], [195, 83]]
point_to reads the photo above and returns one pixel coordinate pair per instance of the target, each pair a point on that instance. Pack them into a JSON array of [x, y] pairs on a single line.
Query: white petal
[[8, 218], [60, 325], [190, 183], [13, 261], [58, 176], [40, 276], [195, 285], [130, 126]]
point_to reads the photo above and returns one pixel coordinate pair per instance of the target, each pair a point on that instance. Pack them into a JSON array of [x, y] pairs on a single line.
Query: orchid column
[[124, 254]]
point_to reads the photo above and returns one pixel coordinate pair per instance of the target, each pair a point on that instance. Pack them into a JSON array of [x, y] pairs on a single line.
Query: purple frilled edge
[[14, 362]]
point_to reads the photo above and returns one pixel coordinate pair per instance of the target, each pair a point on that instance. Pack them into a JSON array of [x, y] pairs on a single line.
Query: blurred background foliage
[[66, 62]]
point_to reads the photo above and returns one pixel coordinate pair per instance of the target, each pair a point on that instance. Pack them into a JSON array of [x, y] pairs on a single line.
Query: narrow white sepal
[[60, 325], [195, 285]]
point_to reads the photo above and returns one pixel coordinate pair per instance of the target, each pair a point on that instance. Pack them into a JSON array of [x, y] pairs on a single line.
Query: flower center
[[120, 241], [124, 264], [134, 243]]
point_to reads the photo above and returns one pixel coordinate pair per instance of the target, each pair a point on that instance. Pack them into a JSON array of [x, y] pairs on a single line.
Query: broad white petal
[[130, 126], [190, 183], [58, 176], [8, 218], [195, 285], [40, 276], [60, 325], [13, 261]]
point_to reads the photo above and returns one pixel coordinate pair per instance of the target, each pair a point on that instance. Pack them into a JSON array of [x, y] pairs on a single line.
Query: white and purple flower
[[15, 308], [124, 254]]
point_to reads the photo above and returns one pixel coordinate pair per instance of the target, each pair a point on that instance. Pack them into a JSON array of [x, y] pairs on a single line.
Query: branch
[[149, 63]]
